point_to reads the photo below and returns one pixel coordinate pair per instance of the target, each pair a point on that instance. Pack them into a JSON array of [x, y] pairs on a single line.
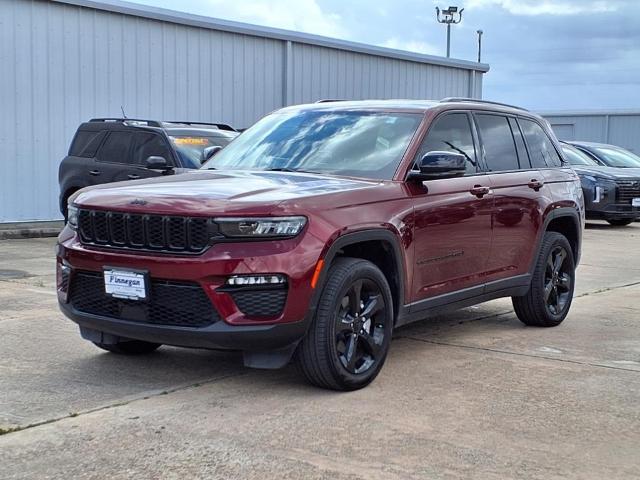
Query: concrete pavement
[[473, 394]]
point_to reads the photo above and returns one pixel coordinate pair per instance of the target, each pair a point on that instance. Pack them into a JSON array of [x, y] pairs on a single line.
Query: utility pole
[[479, 32], [448, 18]]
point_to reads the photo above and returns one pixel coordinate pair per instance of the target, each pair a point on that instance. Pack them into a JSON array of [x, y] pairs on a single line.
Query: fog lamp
[[243, 280]]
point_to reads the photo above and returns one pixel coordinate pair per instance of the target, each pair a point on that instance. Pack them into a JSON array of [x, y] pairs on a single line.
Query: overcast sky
[[544, 54]]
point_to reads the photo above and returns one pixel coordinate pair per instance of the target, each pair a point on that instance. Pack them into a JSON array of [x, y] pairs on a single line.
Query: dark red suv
[[322, 228]]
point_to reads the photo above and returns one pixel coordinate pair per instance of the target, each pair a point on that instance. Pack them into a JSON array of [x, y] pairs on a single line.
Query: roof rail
[[329, 100], [476, 100], [151, 123], [220, 126]]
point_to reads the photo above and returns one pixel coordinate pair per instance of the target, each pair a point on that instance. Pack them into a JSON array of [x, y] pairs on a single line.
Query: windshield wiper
[[287, 169]]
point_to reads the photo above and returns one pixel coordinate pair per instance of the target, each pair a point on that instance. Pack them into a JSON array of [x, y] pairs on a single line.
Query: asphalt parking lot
[[474, 394]]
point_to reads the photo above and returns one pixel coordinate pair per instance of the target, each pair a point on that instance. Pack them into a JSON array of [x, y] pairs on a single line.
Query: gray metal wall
[[617, 128], [65, 61]]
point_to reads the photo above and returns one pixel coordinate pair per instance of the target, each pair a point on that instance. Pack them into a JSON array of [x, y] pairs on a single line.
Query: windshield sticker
[[190, 141]]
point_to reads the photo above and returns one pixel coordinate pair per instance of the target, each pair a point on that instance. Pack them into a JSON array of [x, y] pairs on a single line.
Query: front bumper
[[612, 210], [220, 335], [231, 327], [607, 199]]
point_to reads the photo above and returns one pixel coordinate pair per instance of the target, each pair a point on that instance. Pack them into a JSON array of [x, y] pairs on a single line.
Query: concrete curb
[[10, 231]]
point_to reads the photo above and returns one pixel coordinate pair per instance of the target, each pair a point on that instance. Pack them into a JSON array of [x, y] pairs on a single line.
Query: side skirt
[[430, 307]]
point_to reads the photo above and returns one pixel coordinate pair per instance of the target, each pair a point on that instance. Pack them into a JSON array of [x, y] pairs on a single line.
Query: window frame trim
[[172, 156], [563, 162], [480, 168], [515, 147], [106, 138], [103, 132]]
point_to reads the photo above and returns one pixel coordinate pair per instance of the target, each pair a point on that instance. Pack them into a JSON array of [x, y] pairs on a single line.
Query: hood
[[610, 173], [201, 191]]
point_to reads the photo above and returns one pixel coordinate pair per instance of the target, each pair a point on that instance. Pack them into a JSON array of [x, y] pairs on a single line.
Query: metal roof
[[166, 15], [588, 113]]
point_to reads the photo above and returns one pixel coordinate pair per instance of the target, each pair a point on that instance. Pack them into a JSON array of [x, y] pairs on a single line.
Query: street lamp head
[[449, 15]]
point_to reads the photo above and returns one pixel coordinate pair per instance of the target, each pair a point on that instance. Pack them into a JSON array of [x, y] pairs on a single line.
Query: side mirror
[[438, 164], [209, 152], [157, 163]]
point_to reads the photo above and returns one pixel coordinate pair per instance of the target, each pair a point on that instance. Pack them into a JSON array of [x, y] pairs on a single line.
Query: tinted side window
[[86, 143], [541, 150], [523, 156], [150, 144], [451, 133], [116, 148], [497, 141]]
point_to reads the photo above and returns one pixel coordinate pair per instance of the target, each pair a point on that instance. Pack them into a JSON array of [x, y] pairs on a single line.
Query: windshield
[[351, 143], [617, 157], [576, 157], [191, 148]]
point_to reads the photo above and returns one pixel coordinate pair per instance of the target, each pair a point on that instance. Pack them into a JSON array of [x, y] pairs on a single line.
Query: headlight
[[261, 226], [72, 216]]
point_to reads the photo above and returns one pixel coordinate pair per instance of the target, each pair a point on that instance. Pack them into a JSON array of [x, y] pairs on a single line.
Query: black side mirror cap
[[440, 164], [209, 152], [157, 163]]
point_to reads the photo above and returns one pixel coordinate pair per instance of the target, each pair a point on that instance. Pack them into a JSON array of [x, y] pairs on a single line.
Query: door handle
[[535, 184], [94, 173], [133, 176], [480, 191]]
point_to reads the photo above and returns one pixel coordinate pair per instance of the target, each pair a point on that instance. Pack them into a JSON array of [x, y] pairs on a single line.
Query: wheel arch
[[379, 246], [566, 221]]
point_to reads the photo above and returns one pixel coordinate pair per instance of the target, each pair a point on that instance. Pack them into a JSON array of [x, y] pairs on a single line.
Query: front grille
[[260, 303], [159, 233], [628, 190], [183, 304]]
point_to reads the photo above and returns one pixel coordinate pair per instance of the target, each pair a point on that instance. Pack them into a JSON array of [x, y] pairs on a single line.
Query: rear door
[[114, 160], [519, 192], [452, 216]]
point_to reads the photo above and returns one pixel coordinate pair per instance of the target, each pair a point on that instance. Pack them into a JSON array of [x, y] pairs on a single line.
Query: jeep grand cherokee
[[321, 229]]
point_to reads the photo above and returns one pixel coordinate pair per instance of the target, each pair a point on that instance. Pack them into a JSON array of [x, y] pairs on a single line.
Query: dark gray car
[[611, 193], [106, 150]]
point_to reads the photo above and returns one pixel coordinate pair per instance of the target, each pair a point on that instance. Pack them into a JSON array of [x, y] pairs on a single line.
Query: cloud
[[299, 15], [543, 54], [416, 46], [546, 7]]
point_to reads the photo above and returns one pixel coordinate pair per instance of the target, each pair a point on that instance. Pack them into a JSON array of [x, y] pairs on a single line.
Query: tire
[[549, 298], [131, 347], [344, 349], [620, 222]]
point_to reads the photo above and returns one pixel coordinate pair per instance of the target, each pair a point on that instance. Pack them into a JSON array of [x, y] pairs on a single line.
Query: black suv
[[107, 150]]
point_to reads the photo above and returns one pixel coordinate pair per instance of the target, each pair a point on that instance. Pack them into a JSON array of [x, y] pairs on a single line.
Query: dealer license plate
[[125, 284], [635, 202]]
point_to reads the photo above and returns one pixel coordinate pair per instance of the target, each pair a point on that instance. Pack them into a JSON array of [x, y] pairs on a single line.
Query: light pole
[[448, 18], [479, 32]]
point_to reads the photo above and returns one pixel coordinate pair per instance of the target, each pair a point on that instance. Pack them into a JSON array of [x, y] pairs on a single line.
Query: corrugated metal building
[[65, 61], [620, 127]]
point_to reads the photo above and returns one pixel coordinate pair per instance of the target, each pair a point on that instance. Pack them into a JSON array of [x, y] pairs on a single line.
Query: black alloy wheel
[[348, 341], [547, 302], [558, 281], [359, 326]]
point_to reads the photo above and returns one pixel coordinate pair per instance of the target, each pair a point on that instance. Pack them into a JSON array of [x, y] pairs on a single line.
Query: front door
[[452, 225]]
